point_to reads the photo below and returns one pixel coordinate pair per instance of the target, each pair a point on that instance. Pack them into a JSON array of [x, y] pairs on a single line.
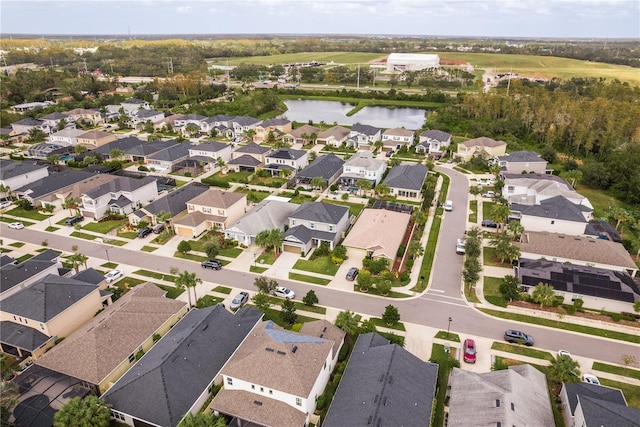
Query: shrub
[[377, 265], [578, 303], [334, 187], [143, 169], [570, 309], [320, 402], [215, 182], [401, 250], [344, 352], [616, 317]]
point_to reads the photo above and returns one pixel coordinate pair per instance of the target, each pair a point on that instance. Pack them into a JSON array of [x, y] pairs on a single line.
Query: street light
[[108, 260], [449, 326], [254, 259]]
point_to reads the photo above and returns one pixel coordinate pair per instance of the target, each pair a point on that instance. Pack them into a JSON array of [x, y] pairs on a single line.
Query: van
[[448, 205], [158, 228]]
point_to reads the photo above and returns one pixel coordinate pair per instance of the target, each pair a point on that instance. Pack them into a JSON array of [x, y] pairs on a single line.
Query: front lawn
[[127, 235], [31, 214], [617, 370], [427, 259], [230, 252], [162, 238], [487, 207], [445, 364], [208, 301], [274, 315], [631, 392], [300, 198], [320, 265], [51, 229], [222, 290], [172, 291], [156, 275], [449, 336], [378, 322], [277, 302], [239, 177], [17, 244], [473, 211], [491, 291], [309, 279], [148, 249], [104, 227], [189, 256], [267, 257], [489, 258], [23, 258], [257, 270], [10, 220]]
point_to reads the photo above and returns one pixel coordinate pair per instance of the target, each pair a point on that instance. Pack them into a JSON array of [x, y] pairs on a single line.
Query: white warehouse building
[[398, 62]]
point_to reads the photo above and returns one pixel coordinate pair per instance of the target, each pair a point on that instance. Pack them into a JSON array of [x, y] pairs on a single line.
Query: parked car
[[513, 336], [448, 205], [239, 300], [489, 194], [590, 378], [113, 275], [5, 204], [460, 246], [283, 292], [212, 264], [389, 153], [352, 273], [16, 225], [489, 223], [564, 353], [486, 182], [74, 220], [158, 228], [144, 232], [469, 348]]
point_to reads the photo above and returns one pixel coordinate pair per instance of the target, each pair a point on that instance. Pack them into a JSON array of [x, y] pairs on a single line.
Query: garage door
[[183, 231], [292, 249]]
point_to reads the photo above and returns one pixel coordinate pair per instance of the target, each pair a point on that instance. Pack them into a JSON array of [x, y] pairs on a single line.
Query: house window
[[229, 381], [261, 389], [497, 403], [312, 225], [253, 387], [206, 210], [132, 358], [331, 228], [298, 401], [293, 222], [270, 391], [41, 326], [117, 415], [552, 222]]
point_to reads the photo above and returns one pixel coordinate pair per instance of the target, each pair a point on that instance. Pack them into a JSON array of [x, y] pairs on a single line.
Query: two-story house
[[279, 127], [314, 223], [522, 162], [556, 214], [433, 142], [302, 135], [53, 120], [394, 139], [16, 275], [83, 114], [534, 188], [210, 152], [327, 167], [248, 158], [286, 158], [23, 126], [174, 203], [213, 209], [14, 175], [120, 196], [95, 138], [132, 105], [485, 147], [364, 137], [266, 215], [189, 119], [362, 165], [276, 376], [242, 124], [141, 117], [334, 136], [66, 136]]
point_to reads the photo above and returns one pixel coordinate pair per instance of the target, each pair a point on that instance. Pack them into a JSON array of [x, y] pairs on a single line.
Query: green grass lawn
[[17, 244], [631, 392], [84, 236], [222, 289], [266, 257], [257, 270], [271, 181], [445, 364], [127, 235], [32, 214], [489, 258], [523, 350], [374, 291], [378, 322], [309, 279], [172, 291], [601, 201], [109, 265], [427, 260], [51, 229], [239, 177], [354, 208], [10, 220], [491, 290], [180, 183], [277, 302], [337, 57], [104, 227], [258, 195], [162, 238], [230, 252], [23, 258], [274, 315], [299, 199], [148, 249], [487, 207], [473, 211], [617, 370], [449, 336], [208, 301], [189, 256], [156, 275], [320, 265]]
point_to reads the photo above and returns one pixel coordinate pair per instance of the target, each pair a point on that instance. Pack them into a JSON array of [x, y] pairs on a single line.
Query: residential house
[[23, 126], [394, 139], [286, 158], [327, 167], [554, 214], [314, 223], [603, 230], [142, 152], [120, 196], [433, 142], [52, 307], [522, 162], [132, 105], [364, 137], [14, 277], [210, 152], [362, 166], [240, 125], [53, 120], [515, 396], [95, 138], [103, 349], [383, 384], [591, 405], [267, 215], [170, 158], [167, 122], [83, 115], [189, 119], [66, 136], [483, 146], [279, 127], [248, 158], [406, 181], [276, 376], [378, 233], [301, 135], [577, 282], [219, 123], [21, 108], [334, 136], [579, 250], [174, 203], [532, 189], [212, 209], [122, 144], [15, 174], [141, 117], [175, 377], [43, 151]]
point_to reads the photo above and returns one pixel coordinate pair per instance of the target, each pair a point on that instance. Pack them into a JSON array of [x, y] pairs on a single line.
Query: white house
[[18, 174], [395, 138], [399, 62], [286, 158], [364, 137], [211, 151], [132, 105], [434, 142], [556, 214], [314, 223], [121, 196], [362, 166], [533, 188], [67, 136]]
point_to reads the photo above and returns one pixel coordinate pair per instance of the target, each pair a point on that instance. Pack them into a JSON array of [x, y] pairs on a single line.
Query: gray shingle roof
[[252, 148], [267, 215], [410, 177], [556, 208], [176, 201], [522, 156], [122, 183], [135, 101], [21, 336], [244, 120], [212, 146], [607, 394], [54, 181], [245, 160], [438, 135], [275, 122], [167, 381], [287, 154], [305, 234], [123, 144], [143, 114], [365, 129], [324, 166], [12, 275], [149, 148], [321, 212], [10, 168], [89, 275], [383, 383], [173, 153], [598, 412]]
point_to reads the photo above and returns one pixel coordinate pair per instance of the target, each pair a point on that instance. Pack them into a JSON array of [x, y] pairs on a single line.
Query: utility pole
[[358, 84], [509, 80]]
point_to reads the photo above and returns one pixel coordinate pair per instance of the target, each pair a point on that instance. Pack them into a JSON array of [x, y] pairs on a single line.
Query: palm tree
[[564, 369], [192, 129], [573, 176], [71, 203], [163, 217], [363, 184], [276, 236], [188, 280], [116, 154], [318, 182], [383, 190], [78, 259], [499, 214]]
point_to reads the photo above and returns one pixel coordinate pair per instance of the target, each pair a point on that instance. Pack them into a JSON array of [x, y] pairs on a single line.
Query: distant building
[[399, 62]]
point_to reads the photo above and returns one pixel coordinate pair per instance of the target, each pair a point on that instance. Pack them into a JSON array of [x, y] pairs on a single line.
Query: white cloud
[[183, 9]]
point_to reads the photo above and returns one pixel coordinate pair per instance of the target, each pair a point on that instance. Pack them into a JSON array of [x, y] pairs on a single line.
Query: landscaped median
[[522, 351]]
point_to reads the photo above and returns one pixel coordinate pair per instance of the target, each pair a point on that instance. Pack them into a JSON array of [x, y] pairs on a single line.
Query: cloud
[[183, 9]]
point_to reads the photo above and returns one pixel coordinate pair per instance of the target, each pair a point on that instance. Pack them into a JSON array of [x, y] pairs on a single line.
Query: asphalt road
[[433, 308]]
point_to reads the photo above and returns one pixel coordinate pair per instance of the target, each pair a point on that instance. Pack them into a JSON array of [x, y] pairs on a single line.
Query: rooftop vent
[[257, 403], [294, 349], [281, 353], [269, 349]]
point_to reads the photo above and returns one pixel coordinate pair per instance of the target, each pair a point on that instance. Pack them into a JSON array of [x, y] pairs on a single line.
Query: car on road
[[469, 349], [144, 232], [239, 300], [283, 292], [489, 223], [352, 273], [74, 220], [448, 205], [513, 336], [460, 246], [5, 204], [16, 225], [590, 378], [212, 264], [113, 275], [489, 194], [564, 353]]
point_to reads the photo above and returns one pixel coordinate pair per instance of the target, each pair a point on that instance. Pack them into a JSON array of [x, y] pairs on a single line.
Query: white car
[[448, 205], [113, 275], [5, 204], [489, 194], [590, 378], [16, 225], [564, 353], [283, 292]]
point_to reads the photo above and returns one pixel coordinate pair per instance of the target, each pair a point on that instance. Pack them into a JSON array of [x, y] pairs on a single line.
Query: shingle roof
[[437, 135], [89, 275], [323, 166], [167, 381], [55, 116], [287, 154], [217, 198], [193, 117], [605, 394], [258, 409], [121, 183], [483, 141], [378, 230], [94, 134], [267, 215], [321, 212], [399, 132], [275, 122], [245, 160], [69, 133], [365, 129], [383, 383], [600, 227], [338, 132], [557, 207], [54, 181], [173, 153], [21, 336], [143, 114], [92, 352], [10, 168], [601, 413], [149, 148], [364, 159], [252, 148], [308, 129], [176, 201], [29, 121], [410, 177], [213, 146], [522, 156], [12, 274], [133, 101], [123, 144], [244, 120]]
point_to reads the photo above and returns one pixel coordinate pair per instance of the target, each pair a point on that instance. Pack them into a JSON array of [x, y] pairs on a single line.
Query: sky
[[481, 18]]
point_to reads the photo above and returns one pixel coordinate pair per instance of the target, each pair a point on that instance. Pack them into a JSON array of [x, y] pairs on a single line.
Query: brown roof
[[483, 141], [258, 409], [92, 352], [81, 111], [323, 329], [217, 198], [378, 230], [271, 346], [308, 129], [337, 132], [399, 132], [581, 248], [95, 134], [196, 218], [79, 188]]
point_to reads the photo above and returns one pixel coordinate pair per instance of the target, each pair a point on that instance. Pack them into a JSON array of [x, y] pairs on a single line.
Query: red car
[[469, 348]]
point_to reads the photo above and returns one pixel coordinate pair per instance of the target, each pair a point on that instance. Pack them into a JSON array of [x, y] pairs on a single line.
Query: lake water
[[333, 111]]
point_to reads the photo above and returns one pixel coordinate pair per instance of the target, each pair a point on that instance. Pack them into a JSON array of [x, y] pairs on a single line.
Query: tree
[[184, 247], [212, 249], [142, 225], [502, 244], [415, 249], [510, 288], [564, 369], [188, 280], [9, 397], [317, 182], [77, 412], [383, 287], [116, 154], [78, 259], [573, 176], [221, 164], [198, 420], [515, 230], [364, 280], [636, 306], [71, 203], [261, 301], [265, 285], [363, 184], [288, 312], [391, 315], [192, 129], [499, 214], [80, 149], [394, 161], [383, 190], [163, 217], [471, 271], [310, 298], [543, 294], [347, 321], [36, 135], [54, 159]]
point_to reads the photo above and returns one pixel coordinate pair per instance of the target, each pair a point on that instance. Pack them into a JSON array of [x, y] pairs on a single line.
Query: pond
[[334, 111]]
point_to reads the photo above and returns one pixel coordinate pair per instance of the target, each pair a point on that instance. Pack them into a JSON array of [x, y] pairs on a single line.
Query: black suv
[[212, 263], [519, 337], [74, 220], [144, 232], [352, 273]]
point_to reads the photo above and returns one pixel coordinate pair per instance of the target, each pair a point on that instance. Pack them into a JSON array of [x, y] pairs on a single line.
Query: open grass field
[[337, 57]]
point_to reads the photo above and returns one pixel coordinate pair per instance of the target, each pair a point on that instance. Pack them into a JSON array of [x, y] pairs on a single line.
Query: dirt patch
[[447, 61], [586, 315]]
